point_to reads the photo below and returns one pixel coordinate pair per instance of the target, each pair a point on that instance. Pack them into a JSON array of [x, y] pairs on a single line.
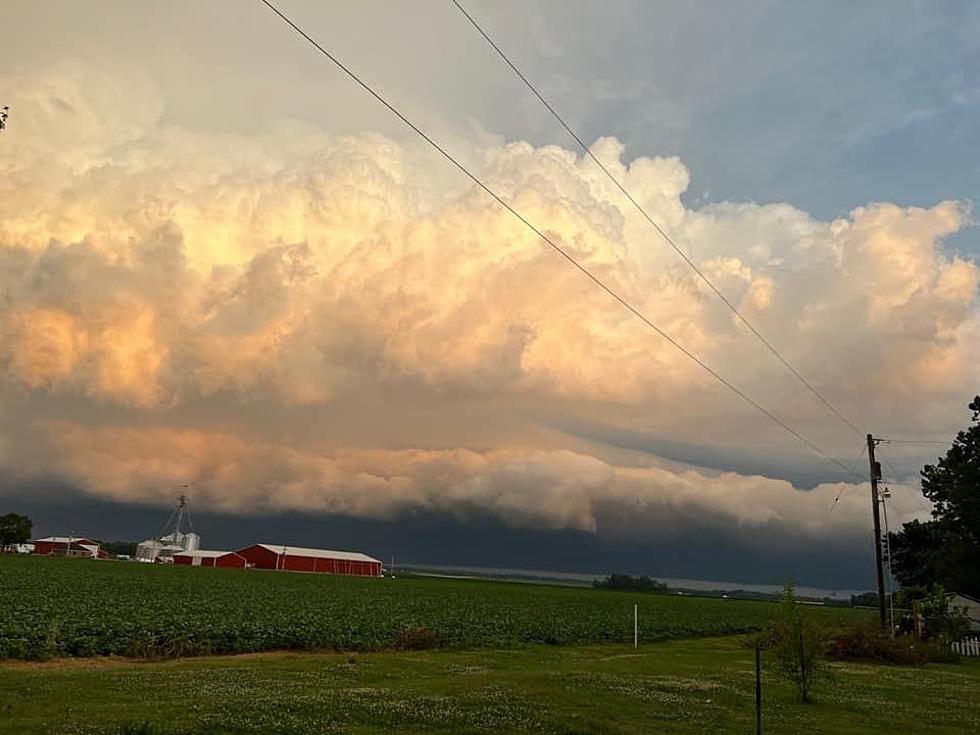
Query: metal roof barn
[[322, 561], [78, 546]]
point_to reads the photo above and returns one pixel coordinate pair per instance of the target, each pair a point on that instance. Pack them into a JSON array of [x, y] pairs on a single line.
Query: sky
[[222, 263]]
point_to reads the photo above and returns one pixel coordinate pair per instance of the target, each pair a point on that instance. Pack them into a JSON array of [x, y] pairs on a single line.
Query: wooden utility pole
[[875, 468]]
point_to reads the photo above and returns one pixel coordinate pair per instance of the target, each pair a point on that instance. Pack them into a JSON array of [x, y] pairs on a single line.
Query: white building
[[970, 605]]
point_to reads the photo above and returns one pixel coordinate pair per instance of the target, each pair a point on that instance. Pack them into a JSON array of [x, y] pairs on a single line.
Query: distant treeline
[[633, 584], [647, 584], [865, 599], [119, 548]]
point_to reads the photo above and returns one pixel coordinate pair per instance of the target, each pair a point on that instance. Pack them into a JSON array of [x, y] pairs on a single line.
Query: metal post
[[758, 690], [875, 475], [636, 627]]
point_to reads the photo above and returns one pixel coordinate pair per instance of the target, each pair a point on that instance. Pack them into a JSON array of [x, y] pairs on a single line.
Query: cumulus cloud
[[300, 321]]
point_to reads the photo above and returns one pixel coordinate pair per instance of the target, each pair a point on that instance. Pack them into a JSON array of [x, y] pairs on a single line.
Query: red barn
[[323, 561], [77, 546], [200, 558]]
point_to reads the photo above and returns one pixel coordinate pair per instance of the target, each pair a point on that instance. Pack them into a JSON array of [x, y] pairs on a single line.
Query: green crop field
[[65, 607]]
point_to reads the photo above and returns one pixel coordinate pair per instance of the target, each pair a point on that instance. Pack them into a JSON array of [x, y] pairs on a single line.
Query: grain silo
[[174, 538]]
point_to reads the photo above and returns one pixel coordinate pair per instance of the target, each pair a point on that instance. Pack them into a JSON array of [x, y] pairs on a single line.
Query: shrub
[[415, 639], [798, 644], [865, 641]]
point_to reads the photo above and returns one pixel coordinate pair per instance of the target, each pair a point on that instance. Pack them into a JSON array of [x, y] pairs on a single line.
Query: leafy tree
[[865, 599], [633, 584], [119, 548], [938, 617], [14, 529], [916, 554], [945, 550], [798, 644]]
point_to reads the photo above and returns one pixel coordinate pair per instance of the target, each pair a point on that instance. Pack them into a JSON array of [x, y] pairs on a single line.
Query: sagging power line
[[914, 441], [549, 241], [652, 222], [843, 485]]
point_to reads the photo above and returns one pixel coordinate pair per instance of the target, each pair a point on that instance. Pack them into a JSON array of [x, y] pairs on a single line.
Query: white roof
[[204, 554], [80, 540], [159, 545], [318, 553]]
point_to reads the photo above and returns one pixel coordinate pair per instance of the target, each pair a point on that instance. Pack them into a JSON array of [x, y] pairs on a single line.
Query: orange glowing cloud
[[316, 291]]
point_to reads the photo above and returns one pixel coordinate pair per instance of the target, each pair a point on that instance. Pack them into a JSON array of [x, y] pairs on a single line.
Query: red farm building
[[323, 561], [73, 546], [200, 558]]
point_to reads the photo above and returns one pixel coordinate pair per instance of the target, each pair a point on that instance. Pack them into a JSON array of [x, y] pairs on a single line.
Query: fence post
[[967, 647], [758, 691], [636, 627]]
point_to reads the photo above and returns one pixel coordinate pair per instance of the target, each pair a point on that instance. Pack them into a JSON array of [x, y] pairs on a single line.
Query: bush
[[798, 644], [865, 641], [416, 639]]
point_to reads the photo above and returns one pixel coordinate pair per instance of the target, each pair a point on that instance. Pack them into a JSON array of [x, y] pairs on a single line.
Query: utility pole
[[875, 468]]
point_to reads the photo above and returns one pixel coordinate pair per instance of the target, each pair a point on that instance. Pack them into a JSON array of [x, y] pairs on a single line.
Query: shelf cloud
[[301, 321]]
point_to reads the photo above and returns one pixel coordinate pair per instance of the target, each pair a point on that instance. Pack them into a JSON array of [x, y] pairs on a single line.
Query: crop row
[[56, 607]]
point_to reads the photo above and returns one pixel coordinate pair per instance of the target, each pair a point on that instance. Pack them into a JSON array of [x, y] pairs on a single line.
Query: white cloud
[[146, 270]]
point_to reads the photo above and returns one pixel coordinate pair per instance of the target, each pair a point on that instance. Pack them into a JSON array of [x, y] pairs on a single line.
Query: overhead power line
[[915, 441], [555, 246], [660, 230], [843, 485], [891, 467]]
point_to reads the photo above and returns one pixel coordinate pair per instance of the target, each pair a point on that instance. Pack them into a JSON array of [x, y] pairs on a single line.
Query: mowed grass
[[55, 608], [693, 686]]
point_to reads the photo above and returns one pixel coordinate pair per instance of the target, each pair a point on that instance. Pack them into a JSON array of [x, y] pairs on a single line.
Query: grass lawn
[[687, 686]]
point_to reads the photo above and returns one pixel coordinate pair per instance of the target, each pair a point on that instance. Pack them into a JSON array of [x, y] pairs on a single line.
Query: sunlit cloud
[[146, 269]]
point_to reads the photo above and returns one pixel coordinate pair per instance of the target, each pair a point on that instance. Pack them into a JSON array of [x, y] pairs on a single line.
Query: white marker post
[[636, 628]]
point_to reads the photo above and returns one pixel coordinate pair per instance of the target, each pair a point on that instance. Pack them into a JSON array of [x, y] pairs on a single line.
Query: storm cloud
[[300, 321]]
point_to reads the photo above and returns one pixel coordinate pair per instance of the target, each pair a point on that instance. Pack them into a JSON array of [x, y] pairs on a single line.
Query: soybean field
[[69, 607]]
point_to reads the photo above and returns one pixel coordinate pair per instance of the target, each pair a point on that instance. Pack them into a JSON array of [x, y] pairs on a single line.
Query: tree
[[916, 554], [933, 614], [119, 548], [945, 550], [633, 584], [865, 599], [798, 644], [14, 529]]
